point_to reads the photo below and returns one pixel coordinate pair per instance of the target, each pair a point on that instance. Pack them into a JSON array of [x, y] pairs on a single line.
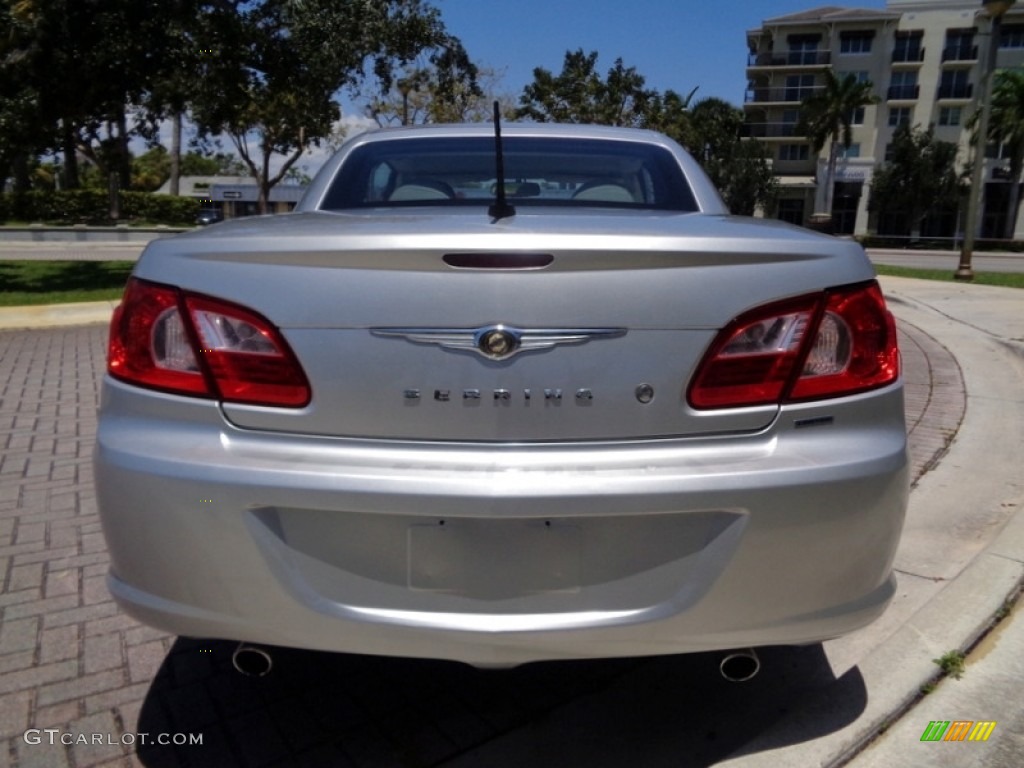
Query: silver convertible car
[[500, 396]]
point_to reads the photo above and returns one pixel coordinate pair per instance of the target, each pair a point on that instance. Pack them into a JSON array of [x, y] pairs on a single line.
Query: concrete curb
[[895, 672], [56, 315]]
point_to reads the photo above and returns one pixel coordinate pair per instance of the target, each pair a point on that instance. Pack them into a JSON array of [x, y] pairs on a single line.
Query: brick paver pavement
[[70, 661]]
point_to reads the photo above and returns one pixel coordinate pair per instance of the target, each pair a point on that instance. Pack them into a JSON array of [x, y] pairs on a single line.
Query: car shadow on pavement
[[347, 710]]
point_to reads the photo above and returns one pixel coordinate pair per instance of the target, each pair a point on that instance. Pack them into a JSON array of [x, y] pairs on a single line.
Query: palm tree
[[827, 116], [1006, 126]]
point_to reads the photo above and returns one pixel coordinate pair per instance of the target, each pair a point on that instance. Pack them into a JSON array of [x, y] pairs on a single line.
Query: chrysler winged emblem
[[499, 342]]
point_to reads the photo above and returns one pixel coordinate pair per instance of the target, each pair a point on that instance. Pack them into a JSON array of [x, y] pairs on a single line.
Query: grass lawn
[[1004, 279], [61, 282]]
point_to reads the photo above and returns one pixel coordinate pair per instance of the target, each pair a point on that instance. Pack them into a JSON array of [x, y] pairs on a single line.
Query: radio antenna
[[500, 208]]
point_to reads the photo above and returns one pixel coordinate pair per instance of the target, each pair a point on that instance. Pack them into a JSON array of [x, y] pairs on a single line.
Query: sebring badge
[[499, 342]]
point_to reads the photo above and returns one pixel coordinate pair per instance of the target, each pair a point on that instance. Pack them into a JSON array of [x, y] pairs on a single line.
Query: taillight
[[855, 346], [823, 345], [189, 344]]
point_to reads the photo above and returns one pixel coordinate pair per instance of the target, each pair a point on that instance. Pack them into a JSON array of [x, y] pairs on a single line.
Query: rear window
[[458, 171]]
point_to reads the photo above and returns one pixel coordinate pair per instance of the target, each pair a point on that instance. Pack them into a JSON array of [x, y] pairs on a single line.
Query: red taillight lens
[[245, 355], [823, 345], [753, 359], [148, 345], [855, 348], [188, 344]]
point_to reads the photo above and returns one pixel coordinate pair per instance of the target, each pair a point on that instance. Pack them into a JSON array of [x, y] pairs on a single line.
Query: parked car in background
[[209, 216], [502, 398]]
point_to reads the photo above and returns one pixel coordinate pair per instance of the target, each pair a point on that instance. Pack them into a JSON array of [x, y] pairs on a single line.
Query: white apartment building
[[925, 59]]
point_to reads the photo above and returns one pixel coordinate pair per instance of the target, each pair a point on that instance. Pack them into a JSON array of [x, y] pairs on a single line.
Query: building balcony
[[956, 92], [804, 168], [779, 95], [790, 59], [903, 93], [768, 130], [908, 56], [959, 54]]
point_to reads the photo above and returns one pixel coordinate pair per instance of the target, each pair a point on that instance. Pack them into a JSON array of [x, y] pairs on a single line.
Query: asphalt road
[[980, 261]]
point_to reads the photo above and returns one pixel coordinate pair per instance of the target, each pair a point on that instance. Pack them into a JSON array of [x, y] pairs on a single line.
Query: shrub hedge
[[92, 206]]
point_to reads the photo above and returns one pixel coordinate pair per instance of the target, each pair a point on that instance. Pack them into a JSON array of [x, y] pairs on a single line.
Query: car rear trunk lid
[[388, 317]]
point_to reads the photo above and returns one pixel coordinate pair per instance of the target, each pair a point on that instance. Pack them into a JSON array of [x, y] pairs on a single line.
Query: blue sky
[[674, 44]]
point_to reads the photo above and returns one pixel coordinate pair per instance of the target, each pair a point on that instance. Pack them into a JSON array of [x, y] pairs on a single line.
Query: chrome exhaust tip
[[251, 660], [740, 666]]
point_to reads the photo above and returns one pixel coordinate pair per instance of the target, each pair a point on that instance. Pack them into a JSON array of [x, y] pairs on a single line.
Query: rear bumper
[[501, 554]]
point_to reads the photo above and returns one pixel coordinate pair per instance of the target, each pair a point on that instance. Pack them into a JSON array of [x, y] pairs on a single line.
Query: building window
[[1011, 36], [903, 85], [792, 210], [848, 152], [857, 118], [799, 87], [803, 49], [950, 115], [844, 206], [908, 47], [889, 153], [955, 84], [960, 45], [790, 119], [794, 152], [900, 116], [855, 42]]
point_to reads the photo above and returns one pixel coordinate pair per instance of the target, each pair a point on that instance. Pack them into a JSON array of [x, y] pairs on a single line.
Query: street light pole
[[995, 9]]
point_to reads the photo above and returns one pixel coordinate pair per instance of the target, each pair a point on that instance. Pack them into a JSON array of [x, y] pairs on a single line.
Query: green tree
[[826, 117], [407, 102], [920, 179], [151, 169], [217, 164], [72, 70], [710, 129], [716, 128], [669, 113], [426, 94], [127, 48], [578, 94], [740, 169], [189, 36], [1006, 126], [20, 118], [278, 66], [456, 95]]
